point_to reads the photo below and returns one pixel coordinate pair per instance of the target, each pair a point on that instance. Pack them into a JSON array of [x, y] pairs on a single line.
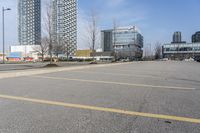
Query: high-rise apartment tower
[[64, 24], [29, 20], [177, 38]]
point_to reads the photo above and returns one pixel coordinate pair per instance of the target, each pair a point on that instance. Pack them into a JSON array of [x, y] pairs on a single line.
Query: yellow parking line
[[110, 110], [117, 83]]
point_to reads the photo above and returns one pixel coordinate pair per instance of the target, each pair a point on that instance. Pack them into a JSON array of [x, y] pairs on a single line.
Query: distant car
[[165, 59], [197, 58], [123, 60], [190, 59], [93, 62]]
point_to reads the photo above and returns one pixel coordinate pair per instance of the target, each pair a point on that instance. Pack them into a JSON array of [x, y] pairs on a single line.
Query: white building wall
[[27, 50]]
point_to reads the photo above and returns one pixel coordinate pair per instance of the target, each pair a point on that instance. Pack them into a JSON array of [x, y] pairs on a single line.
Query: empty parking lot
[[136, 97]]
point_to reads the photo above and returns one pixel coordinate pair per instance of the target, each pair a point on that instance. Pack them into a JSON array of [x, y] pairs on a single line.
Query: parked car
[[164, 59], [190, 59], [197, 58]]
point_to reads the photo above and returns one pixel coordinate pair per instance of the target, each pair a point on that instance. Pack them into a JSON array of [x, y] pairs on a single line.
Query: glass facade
[[196, 37], [182, 48], [128, 37], [64, 22], [127, 42], [177, 38], [106, 40], [29, 19]]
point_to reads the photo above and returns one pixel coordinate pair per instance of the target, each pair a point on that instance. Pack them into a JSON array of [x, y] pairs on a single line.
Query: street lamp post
[[3, 32]]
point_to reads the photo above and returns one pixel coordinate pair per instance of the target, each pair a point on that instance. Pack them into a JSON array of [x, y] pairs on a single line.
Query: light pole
[[3, 28]]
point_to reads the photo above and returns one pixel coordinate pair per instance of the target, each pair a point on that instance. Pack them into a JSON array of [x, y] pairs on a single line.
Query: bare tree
[[48, 29], [158, 50], [148, 53], [62, 46], [43, 49], [93, 31], [58, 47]]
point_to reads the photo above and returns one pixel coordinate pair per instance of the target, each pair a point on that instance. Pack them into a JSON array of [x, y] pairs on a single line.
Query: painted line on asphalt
[[117, 74], [116, 83], [135, 70], [102, 109]]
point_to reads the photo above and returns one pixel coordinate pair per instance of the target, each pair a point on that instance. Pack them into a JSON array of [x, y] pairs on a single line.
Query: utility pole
[[3, 31], [114, 39]]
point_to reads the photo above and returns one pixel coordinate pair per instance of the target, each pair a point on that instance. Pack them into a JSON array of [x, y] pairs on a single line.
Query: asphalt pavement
[[137, 97], [30, 65]]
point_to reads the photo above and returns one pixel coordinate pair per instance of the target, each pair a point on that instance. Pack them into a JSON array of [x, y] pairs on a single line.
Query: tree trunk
[[51, 59], [42, 57]]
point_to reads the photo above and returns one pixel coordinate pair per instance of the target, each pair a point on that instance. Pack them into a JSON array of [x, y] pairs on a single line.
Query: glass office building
[[181, 50], [107, 40], [29, 19], [177, 37], [196, 37], [126, 42], [64, 24]]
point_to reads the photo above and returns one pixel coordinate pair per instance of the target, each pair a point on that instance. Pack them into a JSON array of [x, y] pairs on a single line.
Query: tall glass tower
[[64, 24], [29, 19], [177, 38]]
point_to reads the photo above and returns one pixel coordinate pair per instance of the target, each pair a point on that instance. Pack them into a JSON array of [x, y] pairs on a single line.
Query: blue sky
[[156, 19]]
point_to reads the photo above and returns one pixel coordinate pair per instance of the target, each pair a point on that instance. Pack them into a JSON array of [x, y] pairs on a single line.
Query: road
[[138, 97]]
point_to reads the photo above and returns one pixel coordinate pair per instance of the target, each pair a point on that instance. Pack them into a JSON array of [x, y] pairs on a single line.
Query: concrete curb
[[51, 70]]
